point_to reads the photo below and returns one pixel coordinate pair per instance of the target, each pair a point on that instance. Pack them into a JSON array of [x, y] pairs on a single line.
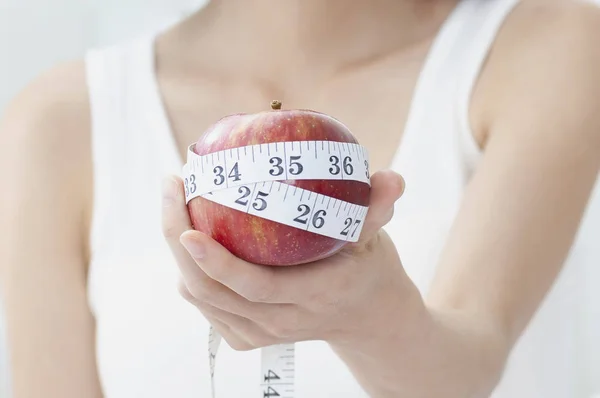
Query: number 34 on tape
[[247, 179]]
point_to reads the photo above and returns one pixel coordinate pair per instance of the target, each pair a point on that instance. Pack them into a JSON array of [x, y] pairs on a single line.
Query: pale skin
[[534, 113]]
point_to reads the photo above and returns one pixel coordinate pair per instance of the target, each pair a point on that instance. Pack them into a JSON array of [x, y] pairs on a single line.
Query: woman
[[484, 112]]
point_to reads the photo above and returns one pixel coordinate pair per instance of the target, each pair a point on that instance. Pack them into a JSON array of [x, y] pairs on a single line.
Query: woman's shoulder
[[568, 28], [51, 110], [543, 64], [45, 139], [51, 87]]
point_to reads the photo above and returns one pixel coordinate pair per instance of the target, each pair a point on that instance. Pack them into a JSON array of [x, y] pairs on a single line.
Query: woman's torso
[[410, 110]]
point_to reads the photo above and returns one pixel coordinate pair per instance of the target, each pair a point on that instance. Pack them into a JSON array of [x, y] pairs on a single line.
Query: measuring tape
[[249, 179]]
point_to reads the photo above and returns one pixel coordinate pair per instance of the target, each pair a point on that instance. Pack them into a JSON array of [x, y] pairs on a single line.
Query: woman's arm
[[541, 105], [44, 213]]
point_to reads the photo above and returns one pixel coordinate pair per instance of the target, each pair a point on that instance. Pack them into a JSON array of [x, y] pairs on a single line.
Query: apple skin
[[255, 239]]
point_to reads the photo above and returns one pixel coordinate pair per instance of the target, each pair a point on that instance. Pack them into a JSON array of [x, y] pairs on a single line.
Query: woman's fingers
[[233, 339], [198, 287], [175, 221], [239, 332], [256, 283]]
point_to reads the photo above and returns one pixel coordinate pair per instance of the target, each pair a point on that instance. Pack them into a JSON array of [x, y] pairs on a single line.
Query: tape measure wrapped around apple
[[278, 188]]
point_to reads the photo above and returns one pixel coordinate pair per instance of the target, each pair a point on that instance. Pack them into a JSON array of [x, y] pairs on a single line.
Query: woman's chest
[[373, 102]]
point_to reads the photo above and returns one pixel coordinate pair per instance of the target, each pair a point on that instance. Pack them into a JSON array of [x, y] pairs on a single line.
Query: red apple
[[256, 239]]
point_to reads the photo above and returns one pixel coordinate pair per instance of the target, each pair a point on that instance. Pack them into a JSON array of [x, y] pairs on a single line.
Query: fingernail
[[193, 246], [169, 191]]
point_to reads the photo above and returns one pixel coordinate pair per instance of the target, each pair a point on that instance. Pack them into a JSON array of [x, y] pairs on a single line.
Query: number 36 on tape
[[248, 179]]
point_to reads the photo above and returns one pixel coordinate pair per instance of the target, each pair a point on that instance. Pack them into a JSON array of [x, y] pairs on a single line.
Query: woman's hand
[[359, 300], [341, 299]]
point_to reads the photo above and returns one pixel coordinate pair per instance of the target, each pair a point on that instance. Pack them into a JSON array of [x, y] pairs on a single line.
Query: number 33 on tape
[[249, 179]]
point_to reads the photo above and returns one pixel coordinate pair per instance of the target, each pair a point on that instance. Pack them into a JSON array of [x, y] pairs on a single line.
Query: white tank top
[[153, 344]]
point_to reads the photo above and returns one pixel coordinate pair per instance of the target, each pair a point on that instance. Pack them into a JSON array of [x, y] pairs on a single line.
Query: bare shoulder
[[45, 146], [543, 69], [54, 106]]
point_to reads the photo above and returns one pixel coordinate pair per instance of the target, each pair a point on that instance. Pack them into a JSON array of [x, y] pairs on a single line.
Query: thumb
[[387, 187]]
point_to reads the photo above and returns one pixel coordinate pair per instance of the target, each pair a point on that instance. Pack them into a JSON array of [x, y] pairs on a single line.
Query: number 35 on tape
[[248, 179]]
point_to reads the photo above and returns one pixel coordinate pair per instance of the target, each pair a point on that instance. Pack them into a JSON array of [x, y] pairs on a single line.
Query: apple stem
[[275, 104]]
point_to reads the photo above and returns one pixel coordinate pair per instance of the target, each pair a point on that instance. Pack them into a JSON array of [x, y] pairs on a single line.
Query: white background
[[36, 34]]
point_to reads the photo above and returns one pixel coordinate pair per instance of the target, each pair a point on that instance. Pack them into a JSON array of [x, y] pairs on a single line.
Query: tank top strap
[[485, 19], [132, 147], [438, 152], [450, 72]]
